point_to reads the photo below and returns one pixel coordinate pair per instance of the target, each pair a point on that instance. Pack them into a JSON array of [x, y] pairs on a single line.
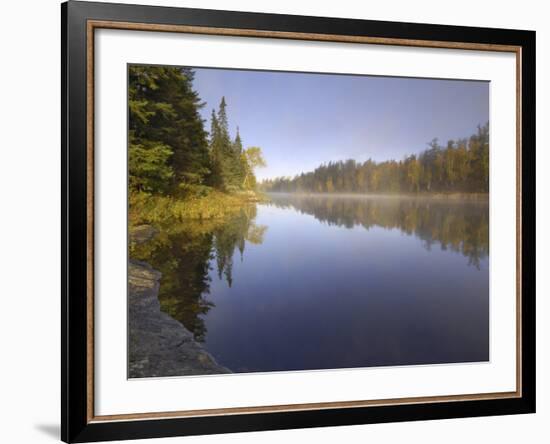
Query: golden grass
[[159, 210]]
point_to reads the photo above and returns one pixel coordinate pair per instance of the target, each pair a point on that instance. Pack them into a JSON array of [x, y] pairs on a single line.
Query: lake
[[319, 282]]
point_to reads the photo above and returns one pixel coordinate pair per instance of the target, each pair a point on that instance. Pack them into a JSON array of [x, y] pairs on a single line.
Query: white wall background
[[30, 205]]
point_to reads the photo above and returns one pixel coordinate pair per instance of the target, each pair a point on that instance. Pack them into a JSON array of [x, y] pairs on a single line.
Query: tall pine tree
[[167, 141], [227, 170], [237, 161]]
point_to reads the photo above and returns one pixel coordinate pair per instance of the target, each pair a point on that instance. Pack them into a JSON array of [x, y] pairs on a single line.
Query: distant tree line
[[461, 166], [170, 152]]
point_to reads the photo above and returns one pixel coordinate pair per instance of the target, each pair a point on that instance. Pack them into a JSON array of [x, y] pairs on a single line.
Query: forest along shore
[[182, 179], [177, 170], [158, 344], [421, 195], [460, 167]]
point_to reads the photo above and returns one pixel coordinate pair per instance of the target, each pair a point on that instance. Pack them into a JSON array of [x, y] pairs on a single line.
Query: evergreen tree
[[227, 167], [216, 153], [238, 166], [237, 144], [167, 141], [221, 149], [223, 122]]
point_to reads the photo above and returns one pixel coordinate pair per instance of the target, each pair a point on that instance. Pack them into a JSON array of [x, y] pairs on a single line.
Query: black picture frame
[[76, 424]]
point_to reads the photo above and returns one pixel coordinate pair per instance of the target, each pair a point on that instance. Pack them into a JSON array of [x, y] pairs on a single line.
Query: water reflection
[[184, 254], [313, 282], [458, 225]]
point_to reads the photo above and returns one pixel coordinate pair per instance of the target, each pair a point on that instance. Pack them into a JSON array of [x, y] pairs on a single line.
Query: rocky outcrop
[[158, 344], [142, 233]]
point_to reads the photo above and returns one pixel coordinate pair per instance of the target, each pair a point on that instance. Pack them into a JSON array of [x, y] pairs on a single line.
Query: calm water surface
[[316, 282]]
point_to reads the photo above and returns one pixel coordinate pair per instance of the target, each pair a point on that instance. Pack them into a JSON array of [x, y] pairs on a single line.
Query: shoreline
[[423, 195], [159, 345], [155, 210]]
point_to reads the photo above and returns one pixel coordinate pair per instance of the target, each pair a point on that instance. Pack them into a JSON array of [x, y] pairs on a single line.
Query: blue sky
[[301, 120]]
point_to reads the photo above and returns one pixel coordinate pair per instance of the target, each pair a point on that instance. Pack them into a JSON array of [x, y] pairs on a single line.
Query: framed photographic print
[[275, 221]]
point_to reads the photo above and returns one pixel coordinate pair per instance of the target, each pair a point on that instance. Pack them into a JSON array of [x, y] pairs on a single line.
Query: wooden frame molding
[[234, 32]]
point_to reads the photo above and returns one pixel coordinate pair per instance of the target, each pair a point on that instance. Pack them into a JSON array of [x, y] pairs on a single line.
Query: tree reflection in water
[[456, 224], [184, 253]]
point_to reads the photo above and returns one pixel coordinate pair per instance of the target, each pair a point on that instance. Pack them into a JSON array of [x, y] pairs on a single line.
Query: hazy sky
[[303, 120]]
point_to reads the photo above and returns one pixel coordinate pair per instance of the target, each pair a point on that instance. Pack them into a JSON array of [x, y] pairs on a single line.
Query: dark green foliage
[[149, 166], [239, 162], [168, 149], [216, 153], [228, 171], [167, 142], [461, 166]]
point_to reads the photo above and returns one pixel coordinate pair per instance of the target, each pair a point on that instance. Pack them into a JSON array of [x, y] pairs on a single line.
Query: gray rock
[[158, 344], [141, 233]]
